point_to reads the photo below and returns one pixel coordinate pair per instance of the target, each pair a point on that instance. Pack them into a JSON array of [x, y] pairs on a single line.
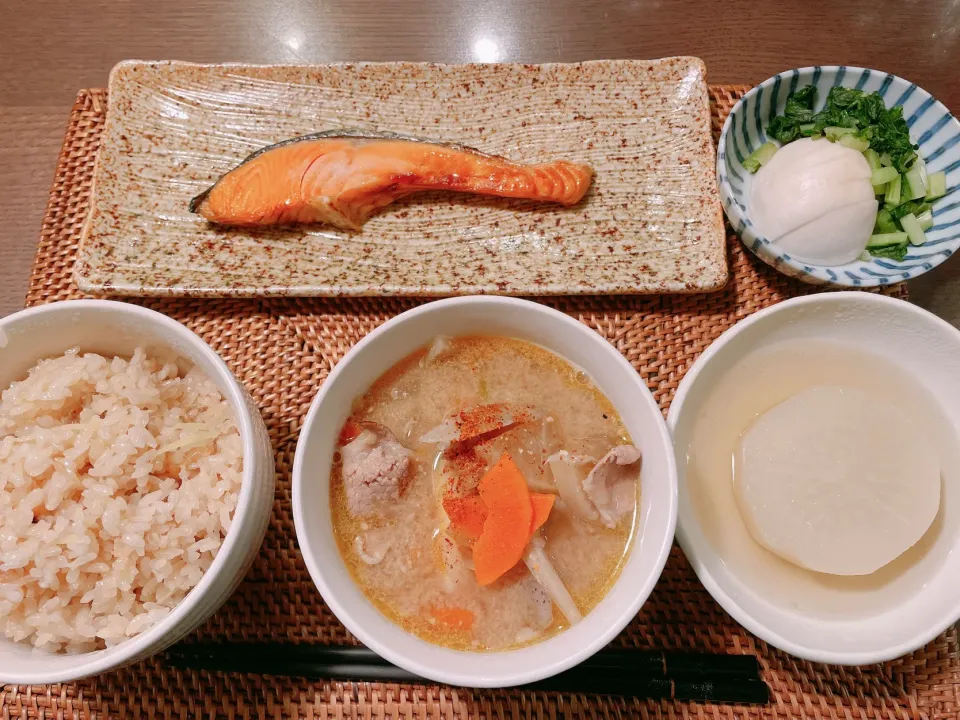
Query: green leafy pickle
[[911, 206], [893, 252], [884, 222], [885, 129], [798, 111]]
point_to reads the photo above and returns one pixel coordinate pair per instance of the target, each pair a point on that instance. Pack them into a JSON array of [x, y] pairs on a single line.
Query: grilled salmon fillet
[[342, 179]]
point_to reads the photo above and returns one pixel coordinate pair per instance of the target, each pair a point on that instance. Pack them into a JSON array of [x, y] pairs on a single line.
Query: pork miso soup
[[484, 493]]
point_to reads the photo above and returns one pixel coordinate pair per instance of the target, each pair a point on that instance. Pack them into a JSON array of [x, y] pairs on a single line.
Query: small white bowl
[[117, 328], [921, 602], [614, 376]]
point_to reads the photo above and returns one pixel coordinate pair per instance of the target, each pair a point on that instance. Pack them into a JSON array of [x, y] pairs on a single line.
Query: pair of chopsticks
[[614, 671]]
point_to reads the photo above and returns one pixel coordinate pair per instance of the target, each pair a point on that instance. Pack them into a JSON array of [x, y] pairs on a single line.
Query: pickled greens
[[862, 122]]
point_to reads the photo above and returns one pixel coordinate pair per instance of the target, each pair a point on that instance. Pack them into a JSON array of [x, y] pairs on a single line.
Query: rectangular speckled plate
[[651, 223]]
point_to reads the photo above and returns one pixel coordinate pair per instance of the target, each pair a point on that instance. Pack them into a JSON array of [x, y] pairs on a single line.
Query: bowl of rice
[[136, 483]]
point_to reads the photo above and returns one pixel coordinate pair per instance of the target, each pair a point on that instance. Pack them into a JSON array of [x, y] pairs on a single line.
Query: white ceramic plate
[[651, 222]]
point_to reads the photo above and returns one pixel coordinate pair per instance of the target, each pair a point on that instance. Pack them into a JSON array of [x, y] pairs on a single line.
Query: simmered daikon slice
[[836, 481]]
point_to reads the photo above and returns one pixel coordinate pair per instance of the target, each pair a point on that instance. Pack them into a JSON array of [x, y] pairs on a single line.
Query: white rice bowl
[[118, 482]]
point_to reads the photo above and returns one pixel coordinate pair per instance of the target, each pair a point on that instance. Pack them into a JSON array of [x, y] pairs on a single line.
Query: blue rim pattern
[[932, 127]]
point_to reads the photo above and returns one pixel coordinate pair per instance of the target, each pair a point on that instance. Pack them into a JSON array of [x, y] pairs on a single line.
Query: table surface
[[50, 50]]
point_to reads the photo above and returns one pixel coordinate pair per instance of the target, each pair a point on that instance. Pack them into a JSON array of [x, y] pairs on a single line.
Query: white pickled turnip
[[814, 200], [837, 481]]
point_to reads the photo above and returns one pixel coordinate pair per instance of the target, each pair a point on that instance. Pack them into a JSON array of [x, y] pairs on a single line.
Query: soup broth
[[405, 553]]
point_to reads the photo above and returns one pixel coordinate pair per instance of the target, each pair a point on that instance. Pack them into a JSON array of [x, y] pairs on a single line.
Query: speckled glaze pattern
[[651, 223]]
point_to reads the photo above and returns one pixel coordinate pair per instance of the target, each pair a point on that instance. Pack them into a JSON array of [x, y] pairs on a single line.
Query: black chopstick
[[613, 671]]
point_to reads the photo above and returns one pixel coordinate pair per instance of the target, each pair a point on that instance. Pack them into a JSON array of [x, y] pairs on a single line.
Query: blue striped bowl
[[931, 126]]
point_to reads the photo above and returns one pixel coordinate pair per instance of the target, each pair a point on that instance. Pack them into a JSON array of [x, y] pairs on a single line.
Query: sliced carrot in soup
[[454, 618], [467, 514], [506, 530], [542, 505]]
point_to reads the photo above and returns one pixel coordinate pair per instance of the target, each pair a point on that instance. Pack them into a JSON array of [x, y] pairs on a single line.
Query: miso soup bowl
[[919, 602], [562, 335]]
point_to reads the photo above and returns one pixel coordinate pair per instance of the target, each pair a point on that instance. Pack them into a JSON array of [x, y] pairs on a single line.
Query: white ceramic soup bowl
[[917, 604], [117, 328], [613, 375]]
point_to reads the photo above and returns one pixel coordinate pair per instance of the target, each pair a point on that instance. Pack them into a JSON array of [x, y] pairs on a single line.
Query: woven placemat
[[282, 350]]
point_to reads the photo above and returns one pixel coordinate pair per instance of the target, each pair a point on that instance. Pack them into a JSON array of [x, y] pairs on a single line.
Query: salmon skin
[[341, 178]]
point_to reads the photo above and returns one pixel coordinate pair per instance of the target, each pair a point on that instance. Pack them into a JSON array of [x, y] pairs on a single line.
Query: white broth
[[762, 381], [400, 546]]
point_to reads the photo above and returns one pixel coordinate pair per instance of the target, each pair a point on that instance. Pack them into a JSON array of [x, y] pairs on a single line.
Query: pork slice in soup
[[484, 493]]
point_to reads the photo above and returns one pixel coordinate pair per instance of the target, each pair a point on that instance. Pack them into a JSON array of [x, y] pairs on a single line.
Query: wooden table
[[50, 50]]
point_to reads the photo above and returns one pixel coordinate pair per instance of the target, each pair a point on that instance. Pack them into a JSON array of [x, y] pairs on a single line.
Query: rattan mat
[[282, 350]]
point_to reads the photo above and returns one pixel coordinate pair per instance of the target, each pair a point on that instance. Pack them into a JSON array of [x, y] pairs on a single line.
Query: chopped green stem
[[885, 239], [911, 226], [883, 175], [936, 185], [914, 188], [834, 133], [872, 159], [892, 198], [853, 142], [760, 157]]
